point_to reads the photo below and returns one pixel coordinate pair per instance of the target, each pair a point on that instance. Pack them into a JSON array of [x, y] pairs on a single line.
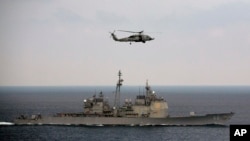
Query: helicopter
[[139, 37]]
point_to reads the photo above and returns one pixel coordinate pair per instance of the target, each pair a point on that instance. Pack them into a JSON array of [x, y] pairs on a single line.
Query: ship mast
[[147, 89], [118, 88]]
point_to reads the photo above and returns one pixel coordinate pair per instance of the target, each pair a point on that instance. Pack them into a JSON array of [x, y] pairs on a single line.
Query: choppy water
[[181, 100]]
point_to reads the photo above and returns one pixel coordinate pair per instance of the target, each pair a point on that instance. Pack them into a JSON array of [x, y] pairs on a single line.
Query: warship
[[148, 109]]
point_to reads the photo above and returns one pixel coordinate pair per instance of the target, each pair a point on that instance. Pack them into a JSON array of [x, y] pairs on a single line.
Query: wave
[[6, 123]]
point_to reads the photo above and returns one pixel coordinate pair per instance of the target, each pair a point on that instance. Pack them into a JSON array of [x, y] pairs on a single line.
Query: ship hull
[[209, 119]]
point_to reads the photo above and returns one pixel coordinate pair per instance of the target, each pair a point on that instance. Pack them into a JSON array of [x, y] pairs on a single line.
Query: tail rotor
[[112, 33]]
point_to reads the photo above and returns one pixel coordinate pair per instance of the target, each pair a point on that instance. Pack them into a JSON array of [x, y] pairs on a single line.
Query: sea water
[[181, 101]]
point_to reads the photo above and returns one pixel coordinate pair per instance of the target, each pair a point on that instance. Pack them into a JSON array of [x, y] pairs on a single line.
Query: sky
[[62, 42]]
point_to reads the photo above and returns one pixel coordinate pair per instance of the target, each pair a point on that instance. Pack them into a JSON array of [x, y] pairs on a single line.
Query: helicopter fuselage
[[133, 38]]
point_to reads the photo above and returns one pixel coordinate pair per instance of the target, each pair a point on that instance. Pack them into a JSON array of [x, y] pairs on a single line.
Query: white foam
[[6, 123]]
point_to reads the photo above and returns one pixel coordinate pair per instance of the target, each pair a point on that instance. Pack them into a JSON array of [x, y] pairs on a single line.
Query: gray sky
[[62, 42]]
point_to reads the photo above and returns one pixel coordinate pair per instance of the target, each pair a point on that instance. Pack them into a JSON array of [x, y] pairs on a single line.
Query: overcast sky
[[62, 42]]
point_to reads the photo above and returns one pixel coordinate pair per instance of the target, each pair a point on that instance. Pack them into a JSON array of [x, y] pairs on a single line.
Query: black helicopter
[[139, 37]]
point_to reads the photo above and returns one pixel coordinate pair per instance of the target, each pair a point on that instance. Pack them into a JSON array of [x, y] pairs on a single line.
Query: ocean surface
[[181, 101]]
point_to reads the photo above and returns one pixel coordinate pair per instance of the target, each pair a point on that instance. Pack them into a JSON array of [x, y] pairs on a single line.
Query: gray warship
[[147, 110]]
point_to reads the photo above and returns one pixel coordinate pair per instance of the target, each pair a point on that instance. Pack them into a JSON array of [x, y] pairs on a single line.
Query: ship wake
[[6, 123]]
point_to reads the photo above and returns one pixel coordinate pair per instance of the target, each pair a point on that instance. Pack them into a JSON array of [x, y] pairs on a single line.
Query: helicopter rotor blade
[[140, 32]]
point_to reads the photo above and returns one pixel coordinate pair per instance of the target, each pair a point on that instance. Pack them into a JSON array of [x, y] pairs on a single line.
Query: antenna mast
[[148, 89], [118, 88]]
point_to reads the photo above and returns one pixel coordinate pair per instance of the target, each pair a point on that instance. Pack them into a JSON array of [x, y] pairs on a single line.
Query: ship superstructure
[[148, 105]]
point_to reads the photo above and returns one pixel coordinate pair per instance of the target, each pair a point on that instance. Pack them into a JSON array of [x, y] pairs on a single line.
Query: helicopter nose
[[152, 38]]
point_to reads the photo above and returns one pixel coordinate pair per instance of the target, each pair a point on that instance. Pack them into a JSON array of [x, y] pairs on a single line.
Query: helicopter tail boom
[[114, 36]]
